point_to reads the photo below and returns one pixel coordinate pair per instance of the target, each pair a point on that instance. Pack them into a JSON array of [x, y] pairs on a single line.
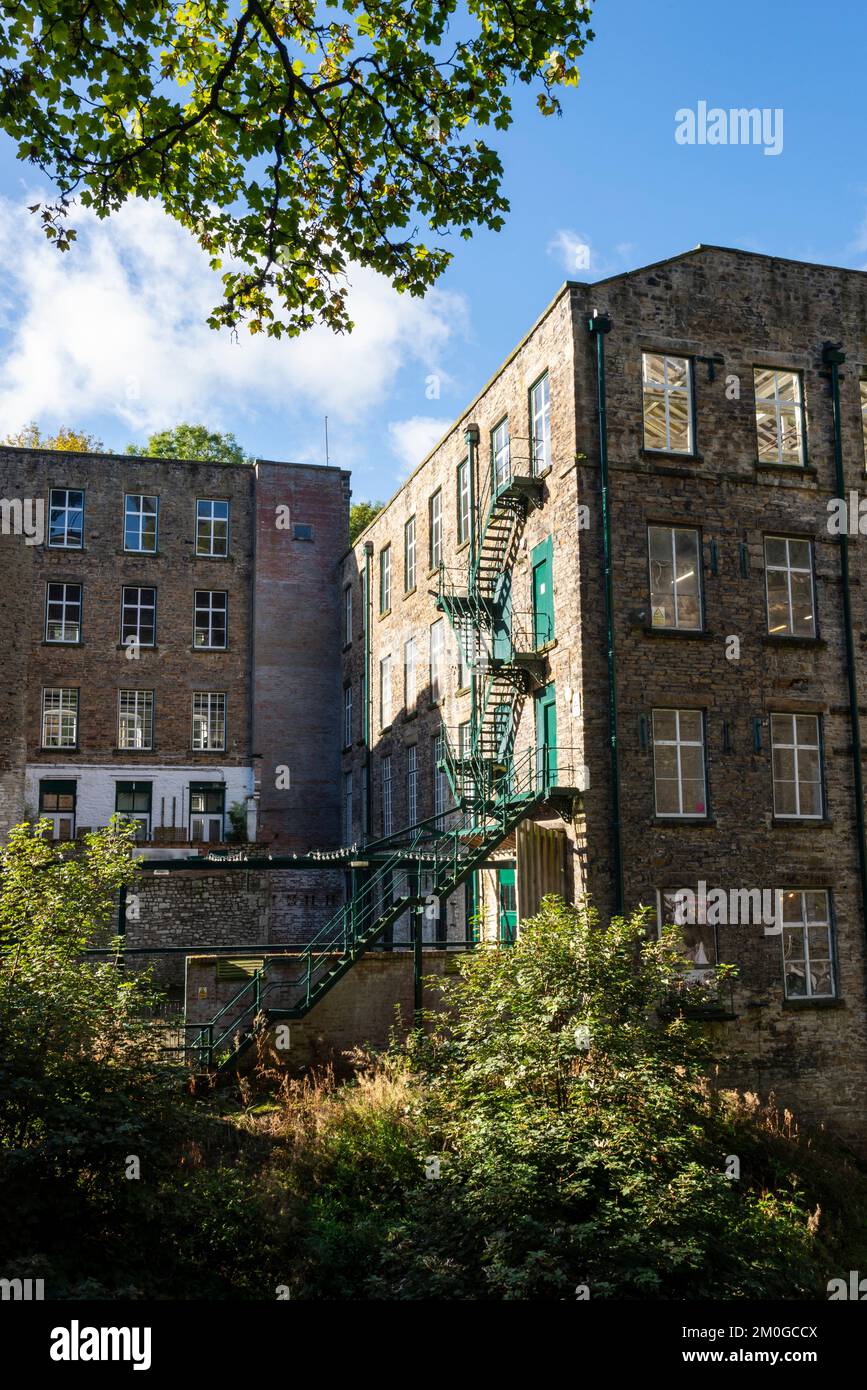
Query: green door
[[541, 561], [546, 736], [508, 897], [502, 625]]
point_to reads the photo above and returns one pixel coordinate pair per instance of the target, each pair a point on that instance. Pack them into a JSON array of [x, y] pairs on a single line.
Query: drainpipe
[[598, 325], [834, 358], [368, 562]]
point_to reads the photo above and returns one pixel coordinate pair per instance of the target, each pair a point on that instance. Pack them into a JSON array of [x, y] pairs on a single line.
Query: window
[[138, 617], [210, 618], [385, 580], [212, 527], [779, 416], [667, 394], [347, 615], [386, 795], [57, 804], [463, 502], [789, 586], [364, 800], [209, 720], [410, 681], [409, 556], [863, 389], [461, 657], [500, 454], [540, 425], [698, 937], [66, 518], [385, 692], [207, 811], [436, 661], [59, 718], [439, 777], [674, 555], [63, 613], [435, 529], [678, 762], [302, 531], [797, 765], [808, 945], [140, 523], [412, 784], [132, 801], [347, 808], [135, 720], [347, 716]]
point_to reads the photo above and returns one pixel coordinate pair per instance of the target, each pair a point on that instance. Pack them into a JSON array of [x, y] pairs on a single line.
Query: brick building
[[160, 636]]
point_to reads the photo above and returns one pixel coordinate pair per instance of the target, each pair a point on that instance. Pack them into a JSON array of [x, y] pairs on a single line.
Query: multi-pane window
[[678, 762], [540, 424], [140, 523], [439, 777], [132, 801], [385, 579], [66, 518], [500, 454], [698, 938], [135, 719], [808, 944], [789, 586], [138, 616], [674, 556], [347, 808], [207, 811], [796, 752], [436, 660], [63, 613], [409, 556], [209, 720], [347, 716], [779, 415], [412, 784], [59, 717], [385, 691], [347, 615], [435, 529], [463, 502], [386, 795], [667, 398], [461, 659], [863, 390], [210, 614], [212, 527], [57, 805], [410, 678], [364, 800]]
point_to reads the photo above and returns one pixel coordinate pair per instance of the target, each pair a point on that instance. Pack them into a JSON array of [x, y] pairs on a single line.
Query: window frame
[[411, 783], [410, 692], [789, 570], [66, 509], [347, 807], [138, 608], [212, 554], [780, 407], [347, 615], [804, 926], [210, 609], [61, 690], [435, 529], [657, 390], [504, 450], [679, 743], [544, 379], [409, 555], [436, 671], [385, 580], [209, 696], [462, 484], [134, 813], [387, 797], [141, 497], [347, 715], [672, 528], [796, 747], [65, 603], [385, 670], [135, 747]]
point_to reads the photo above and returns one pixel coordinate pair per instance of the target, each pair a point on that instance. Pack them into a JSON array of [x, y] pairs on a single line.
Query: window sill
[[201, 555], [193, 751], [461, 545], [434, 572], [122, 752], [693, 634], [136, 646], [676, 455], [407, 593], [71, 748], [409, 715], [65, 549], [801, 823], [773, 639], [209, 649], [805, 469], [704, 821], [45, 643], [797, 1004], [384, 613], [464, 690], [142, 554], [347, 647]]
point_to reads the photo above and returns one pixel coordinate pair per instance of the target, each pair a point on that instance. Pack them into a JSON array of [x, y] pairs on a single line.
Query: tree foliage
[[292, 139], [361, 514], [192, 442], [75, 441]]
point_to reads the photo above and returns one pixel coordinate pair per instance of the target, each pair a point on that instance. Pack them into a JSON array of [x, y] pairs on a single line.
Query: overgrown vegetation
[[577, 1141]]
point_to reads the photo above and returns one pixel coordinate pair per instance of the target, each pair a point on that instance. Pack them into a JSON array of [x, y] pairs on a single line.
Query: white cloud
[[413, 439], [116, 328], [573, 251]]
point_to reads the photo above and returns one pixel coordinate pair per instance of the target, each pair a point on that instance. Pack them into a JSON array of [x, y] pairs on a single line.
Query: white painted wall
[[95, 789]]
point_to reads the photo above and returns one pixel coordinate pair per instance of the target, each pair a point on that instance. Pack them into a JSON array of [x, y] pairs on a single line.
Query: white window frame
[[806, 927], [138, 608], [437, 637], [409, 566], [137, 515], [673, 532], [412, 784], [347, 615], [207, 517], [347, 716], [435, 521], [386, 702], [789, 569], [410, 674], [667, 390], [439, 778], [793, 745], [139, 717], [501, 454], [387, 812], [463, 507], [540, 424], [65, 509], [204, 609], [209, 713], [678, 743], [781, 408], [701, 969], [65, 603], [60, 705], [347, 808], [385, 580]]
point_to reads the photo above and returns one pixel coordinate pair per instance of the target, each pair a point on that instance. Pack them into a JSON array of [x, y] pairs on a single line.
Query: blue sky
[[110, 338]]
